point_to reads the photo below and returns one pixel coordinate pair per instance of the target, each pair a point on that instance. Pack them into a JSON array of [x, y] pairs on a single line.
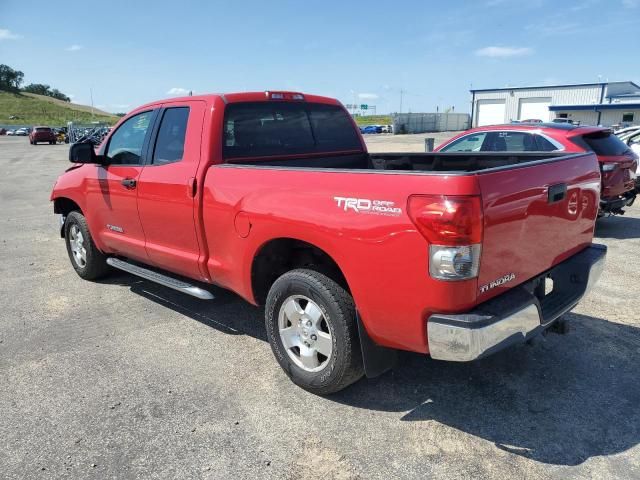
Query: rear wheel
[[311, 326], [89, 262]]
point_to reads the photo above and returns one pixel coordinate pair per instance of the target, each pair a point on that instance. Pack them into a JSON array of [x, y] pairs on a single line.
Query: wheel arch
[[279, 255], [64, 206]]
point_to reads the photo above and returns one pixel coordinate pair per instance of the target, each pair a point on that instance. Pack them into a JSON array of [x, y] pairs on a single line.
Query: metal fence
[[93, 132], [430, 122]]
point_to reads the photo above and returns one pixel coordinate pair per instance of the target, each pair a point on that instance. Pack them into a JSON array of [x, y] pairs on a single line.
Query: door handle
[[129, 182], [557, 192]]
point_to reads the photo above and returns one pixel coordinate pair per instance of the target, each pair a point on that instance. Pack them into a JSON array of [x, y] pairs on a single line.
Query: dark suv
[[42, 134]]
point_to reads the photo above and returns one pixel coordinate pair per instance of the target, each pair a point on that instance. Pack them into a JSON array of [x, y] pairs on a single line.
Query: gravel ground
[[126, 379], [404, 143]]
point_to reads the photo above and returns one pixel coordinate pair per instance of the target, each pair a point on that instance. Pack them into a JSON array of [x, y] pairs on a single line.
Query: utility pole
[[353, 92], [91, 95], [401, 93]]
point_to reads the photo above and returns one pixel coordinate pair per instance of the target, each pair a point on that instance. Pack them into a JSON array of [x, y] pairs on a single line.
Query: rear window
[[43, 129], [604, 143], [284, 128]]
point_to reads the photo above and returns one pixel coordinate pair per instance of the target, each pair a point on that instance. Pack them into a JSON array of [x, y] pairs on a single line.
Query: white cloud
[[74, 48], [630, 3], [367, 96], [503, 52], [177, 91], [8, 35], [557, 27]]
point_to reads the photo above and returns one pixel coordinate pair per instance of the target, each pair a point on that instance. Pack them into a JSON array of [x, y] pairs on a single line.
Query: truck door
[[167, 189], [111, 198]]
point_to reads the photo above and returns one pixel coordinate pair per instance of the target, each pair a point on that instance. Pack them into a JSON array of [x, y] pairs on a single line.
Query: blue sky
[[131, 52]]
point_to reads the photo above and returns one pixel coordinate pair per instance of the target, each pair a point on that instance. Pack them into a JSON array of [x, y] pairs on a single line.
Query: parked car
[[21, 132], [618, 163], [3, 131], [631, 137], [371, 129], [42, 134], [11, 132], [565, 120], [626, 131], [446, 254], [531, 120]]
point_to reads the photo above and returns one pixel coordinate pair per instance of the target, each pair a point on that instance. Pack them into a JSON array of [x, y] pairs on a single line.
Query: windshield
[[259, 129]]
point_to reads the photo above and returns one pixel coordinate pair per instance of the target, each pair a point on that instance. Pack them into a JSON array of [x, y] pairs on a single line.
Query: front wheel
[[89, 262], [311, 326]]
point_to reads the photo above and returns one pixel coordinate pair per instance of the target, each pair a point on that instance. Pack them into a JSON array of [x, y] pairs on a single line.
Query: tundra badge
[[496, 283]]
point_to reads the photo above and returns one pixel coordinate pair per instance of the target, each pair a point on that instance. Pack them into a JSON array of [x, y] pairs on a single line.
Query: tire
[[314, 296], [77, 238]]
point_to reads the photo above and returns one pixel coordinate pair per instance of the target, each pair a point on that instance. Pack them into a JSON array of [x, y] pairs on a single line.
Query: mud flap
[[375, 358]]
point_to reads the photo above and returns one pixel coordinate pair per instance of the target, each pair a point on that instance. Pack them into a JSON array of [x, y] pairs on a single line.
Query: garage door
[[534, 109], [490, 112]]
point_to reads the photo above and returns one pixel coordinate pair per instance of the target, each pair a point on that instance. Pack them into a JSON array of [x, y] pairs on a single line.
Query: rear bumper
[[618, 203], [516, 315]]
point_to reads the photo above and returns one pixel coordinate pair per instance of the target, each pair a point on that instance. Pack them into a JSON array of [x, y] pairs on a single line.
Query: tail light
[[284, 96], [453, 227]]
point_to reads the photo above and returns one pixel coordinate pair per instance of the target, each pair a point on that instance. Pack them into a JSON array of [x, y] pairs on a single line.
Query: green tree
[[55, 93], [38, 88], [42, 89], [10, 79]]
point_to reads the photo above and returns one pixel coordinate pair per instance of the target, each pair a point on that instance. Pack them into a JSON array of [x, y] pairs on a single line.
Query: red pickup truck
[[353, 255]]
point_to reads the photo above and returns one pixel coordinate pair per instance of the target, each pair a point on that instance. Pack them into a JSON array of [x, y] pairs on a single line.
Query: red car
[[618, 163], [42, 134], [274, 196]]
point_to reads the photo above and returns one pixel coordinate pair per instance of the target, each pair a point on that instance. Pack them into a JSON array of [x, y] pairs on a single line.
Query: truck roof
[[235, 97]]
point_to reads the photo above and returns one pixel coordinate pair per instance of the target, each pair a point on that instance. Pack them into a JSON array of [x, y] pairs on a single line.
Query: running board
[[165, 280]]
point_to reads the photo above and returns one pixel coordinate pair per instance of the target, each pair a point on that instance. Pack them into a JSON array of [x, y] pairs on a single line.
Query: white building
[[607, 104]]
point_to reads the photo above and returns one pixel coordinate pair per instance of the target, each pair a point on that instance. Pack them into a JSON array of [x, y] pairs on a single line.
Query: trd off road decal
[[367, 206]]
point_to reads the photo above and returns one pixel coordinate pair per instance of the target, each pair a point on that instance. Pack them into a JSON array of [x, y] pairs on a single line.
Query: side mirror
[[83, 153]]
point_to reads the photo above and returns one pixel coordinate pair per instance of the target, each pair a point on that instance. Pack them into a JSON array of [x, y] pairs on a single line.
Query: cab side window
[[169, 146], [125, 145]]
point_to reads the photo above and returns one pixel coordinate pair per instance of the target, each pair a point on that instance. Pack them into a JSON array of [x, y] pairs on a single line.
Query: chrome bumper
[[516, 315]]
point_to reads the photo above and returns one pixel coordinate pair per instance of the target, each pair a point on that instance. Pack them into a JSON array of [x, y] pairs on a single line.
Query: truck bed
[[537, 210], [445, 163]]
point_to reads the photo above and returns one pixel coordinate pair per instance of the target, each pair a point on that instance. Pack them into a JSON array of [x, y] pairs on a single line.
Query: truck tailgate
[[535, 216]]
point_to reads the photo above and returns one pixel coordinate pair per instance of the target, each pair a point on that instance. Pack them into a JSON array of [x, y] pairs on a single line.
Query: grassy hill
[[32, 109], [373, 120]]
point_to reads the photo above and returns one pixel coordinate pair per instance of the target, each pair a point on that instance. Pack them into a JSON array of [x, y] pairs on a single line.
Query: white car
[[633, 140], [626, 131], [631, 136], [22, 132], [11, 132]]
